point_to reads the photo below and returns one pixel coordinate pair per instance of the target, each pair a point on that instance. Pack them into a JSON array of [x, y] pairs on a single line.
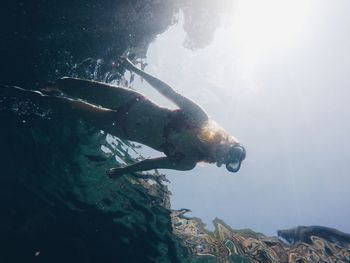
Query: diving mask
[[236, 155]]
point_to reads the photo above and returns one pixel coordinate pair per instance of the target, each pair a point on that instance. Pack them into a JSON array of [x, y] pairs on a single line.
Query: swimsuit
[[178, 122]]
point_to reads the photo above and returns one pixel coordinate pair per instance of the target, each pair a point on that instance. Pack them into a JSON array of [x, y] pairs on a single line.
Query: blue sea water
[[57, 203]]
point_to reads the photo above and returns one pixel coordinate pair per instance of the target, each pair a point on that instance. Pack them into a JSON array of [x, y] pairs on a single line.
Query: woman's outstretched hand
[[115, 173], [126, 63]]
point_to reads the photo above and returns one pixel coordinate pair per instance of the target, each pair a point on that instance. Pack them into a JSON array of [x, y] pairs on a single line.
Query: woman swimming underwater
[[186, 135]]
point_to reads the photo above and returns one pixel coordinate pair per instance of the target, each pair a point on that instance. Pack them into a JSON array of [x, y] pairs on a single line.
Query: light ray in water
[[264, 26]]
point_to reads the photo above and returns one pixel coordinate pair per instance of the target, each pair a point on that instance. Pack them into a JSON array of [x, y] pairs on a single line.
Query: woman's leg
[[101, 118], [98, 93]]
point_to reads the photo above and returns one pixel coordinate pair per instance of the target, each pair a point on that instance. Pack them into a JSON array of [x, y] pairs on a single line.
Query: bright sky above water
[[276, 77]]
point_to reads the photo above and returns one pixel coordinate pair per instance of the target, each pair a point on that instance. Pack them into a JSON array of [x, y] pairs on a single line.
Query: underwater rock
[[201, 18], [225, 244], [304, 234]]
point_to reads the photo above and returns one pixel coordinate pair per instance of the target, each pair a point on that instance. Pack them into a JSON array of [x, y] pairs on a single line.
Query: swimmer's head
[[226, 148], [232, 156]]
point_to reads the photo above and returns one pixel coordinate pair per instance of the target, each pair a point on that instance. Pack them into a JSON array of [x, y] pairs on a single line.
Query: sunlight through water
[[266, 80], [264, 26], [264, 29]]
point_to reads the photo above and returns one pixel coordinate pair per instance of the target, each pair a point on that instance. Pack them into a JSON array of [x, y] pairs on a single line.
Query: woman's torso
[[162, 129], [181, 137]]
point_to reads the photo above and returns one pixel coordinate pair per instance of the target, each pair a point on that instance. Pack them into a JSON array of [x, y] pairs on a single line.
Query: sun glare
[[263, 26], [257, 33]]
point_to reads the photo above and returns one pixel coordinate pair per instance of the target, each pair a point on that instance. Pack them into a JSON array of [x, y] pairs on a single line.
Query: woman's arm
[[190, 108], [155, 163]]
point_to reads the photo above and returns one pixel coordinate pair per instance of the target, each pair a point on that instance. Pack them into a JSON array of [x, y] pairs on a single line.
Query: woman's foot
[[51, 89]]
